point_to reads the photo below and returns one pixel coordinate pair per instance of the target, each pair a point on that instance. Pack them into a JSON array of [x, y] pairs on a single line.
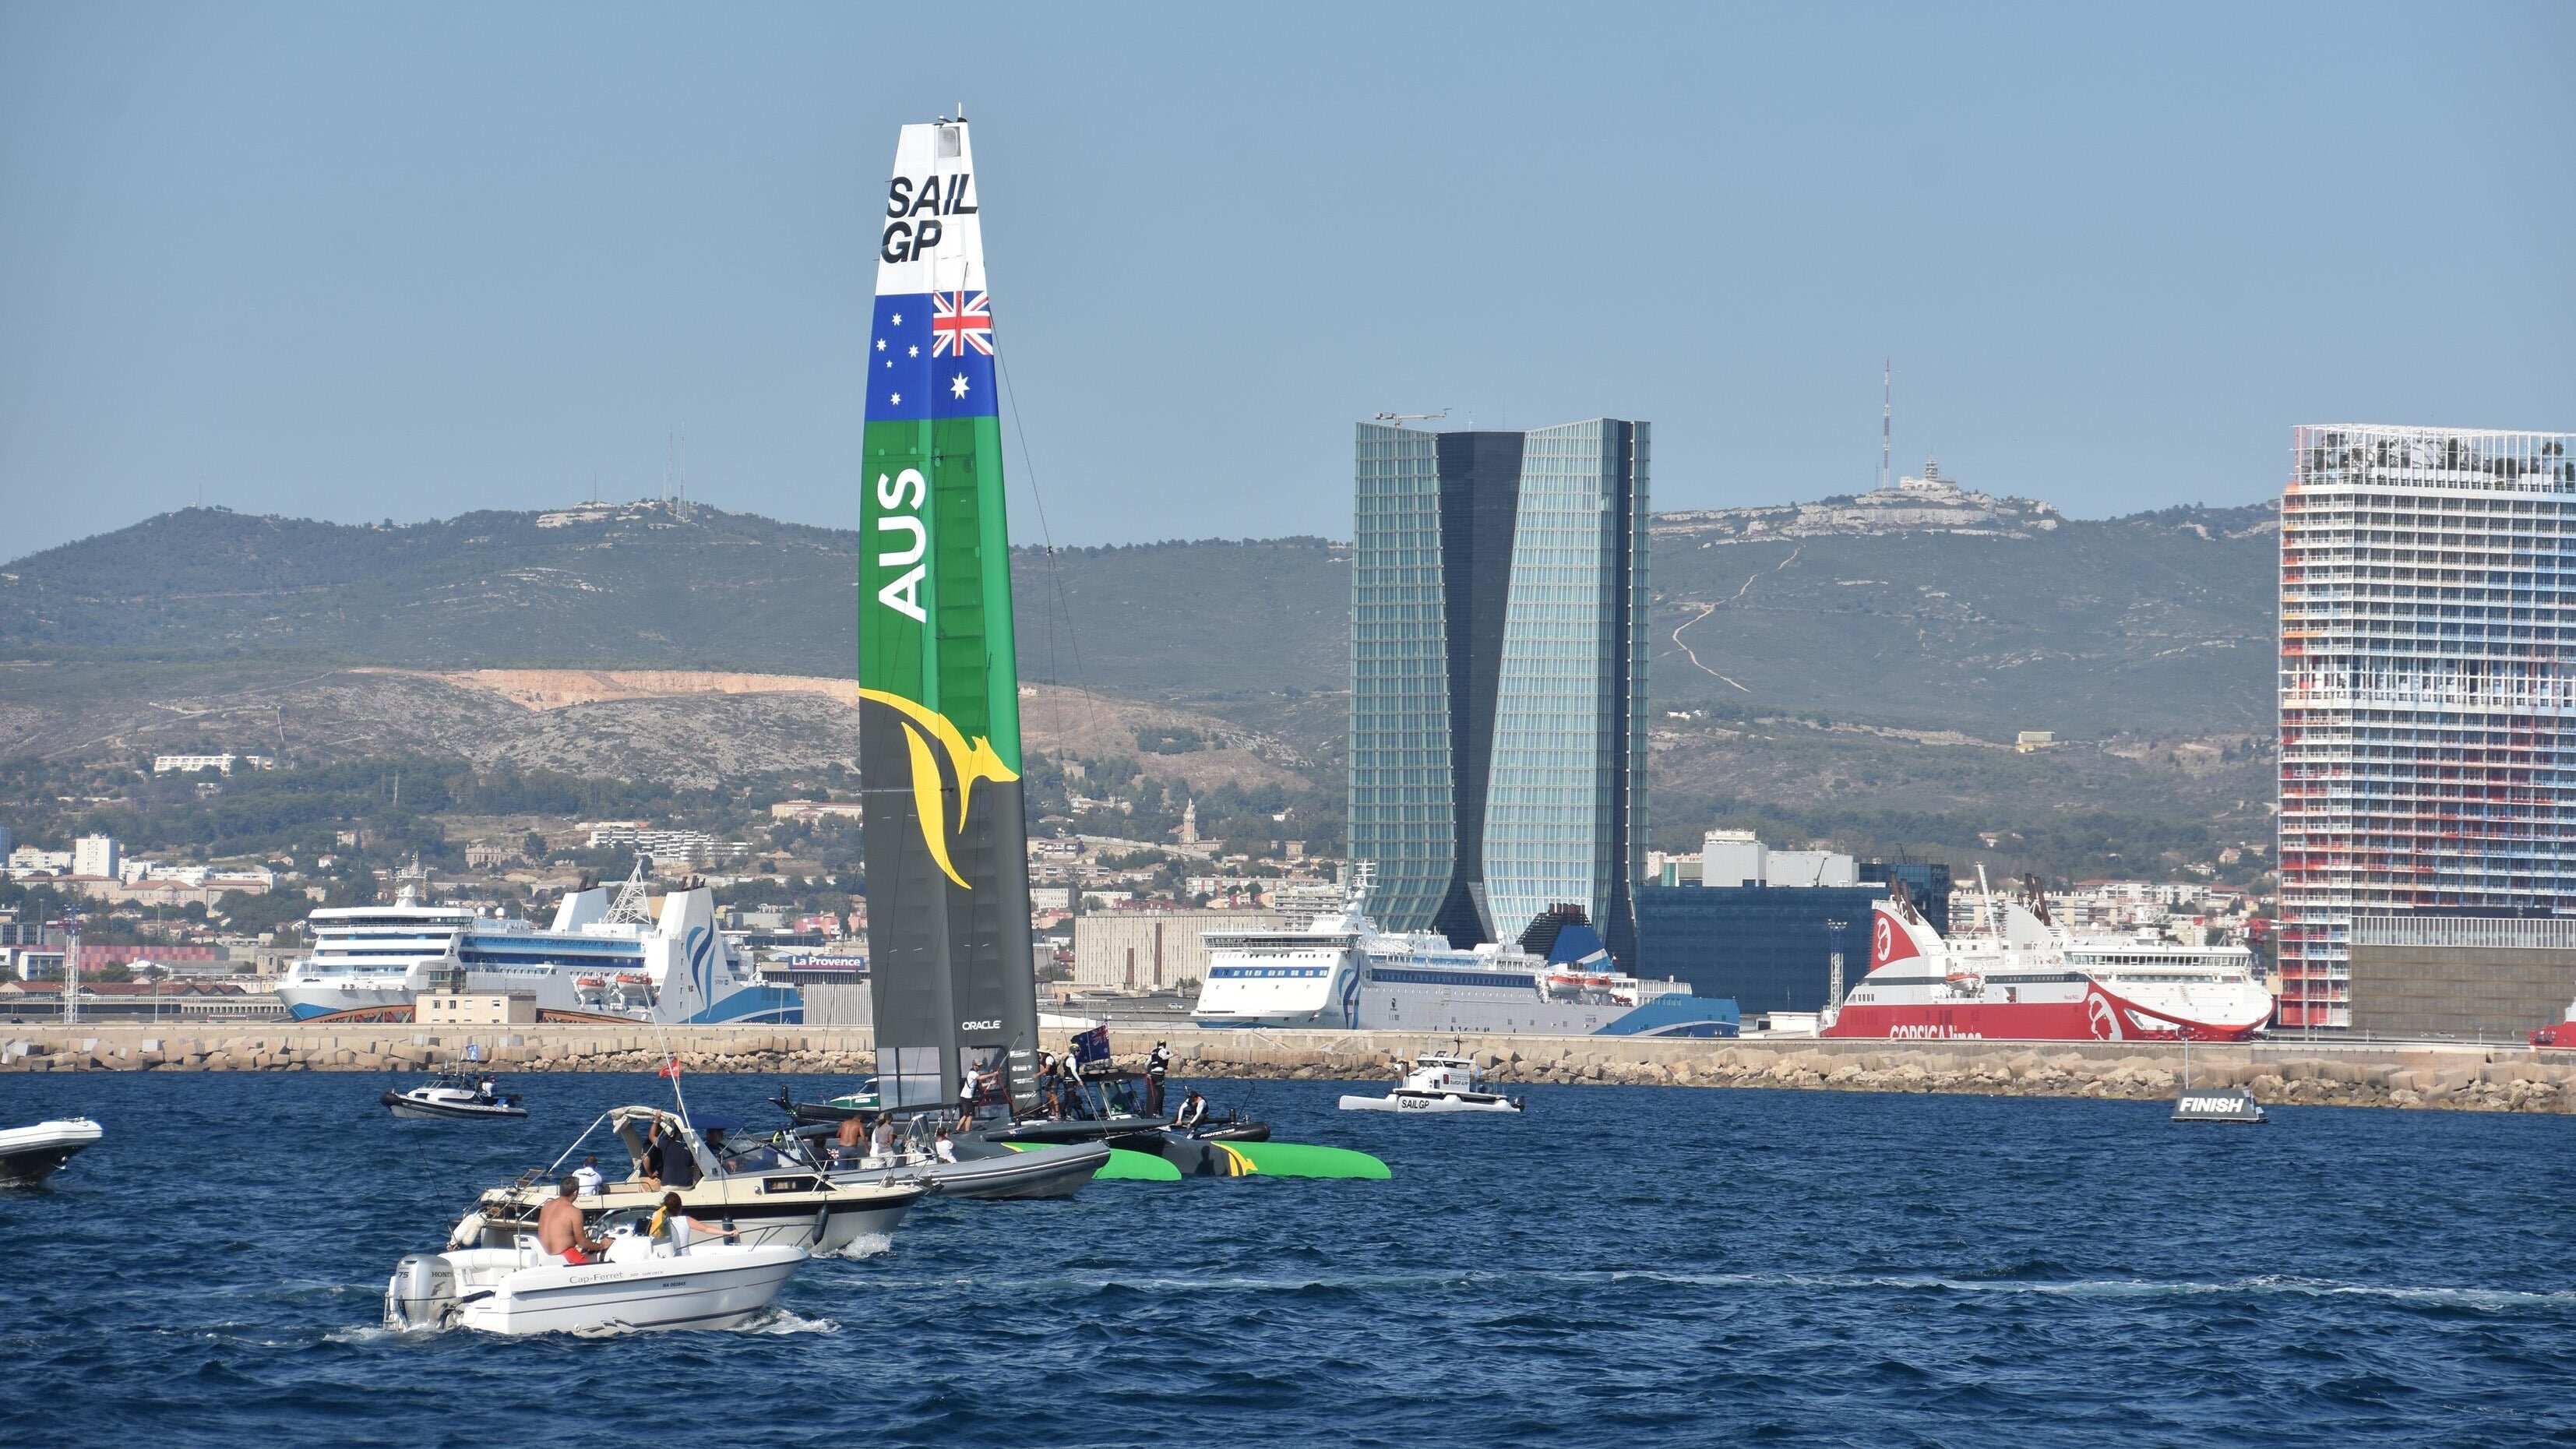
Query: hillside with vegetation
[[1849, 670]]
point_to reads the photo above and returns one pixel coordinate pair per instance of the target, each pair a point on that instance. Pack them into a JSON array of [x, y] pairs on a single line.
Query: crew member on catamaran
[[1157, 1067]]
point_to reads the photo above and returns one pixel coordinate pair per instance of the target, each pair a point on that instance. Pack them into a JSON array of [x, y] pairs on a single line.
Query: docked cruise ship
[[1341, 971], [601, 956]]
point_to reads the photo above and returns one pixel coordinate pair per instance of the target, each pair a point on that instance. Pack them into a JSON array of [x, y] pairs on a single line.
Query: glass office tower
[[1498, 676], [2428, 670]]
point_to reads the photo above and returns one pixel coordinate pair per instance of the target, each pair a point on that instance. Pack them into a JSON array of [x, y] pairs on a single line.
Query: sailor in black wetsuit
[[1157, 1067]]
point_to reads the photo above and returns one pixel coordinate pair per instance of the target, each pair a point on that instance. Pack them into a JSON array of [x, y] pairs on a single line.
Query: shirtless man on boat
[[559, 1226]]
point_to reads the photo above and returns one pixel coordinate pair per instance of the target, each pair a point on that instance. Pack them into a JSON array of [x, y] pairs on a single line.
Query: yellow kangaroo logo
[[972, 762]]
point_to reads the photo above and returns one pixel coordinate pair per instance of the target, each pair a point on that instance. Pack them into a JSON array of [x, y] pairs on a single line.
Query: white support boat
[[771, 1193], [453, 1098], [1439, 1082], [639, 1284], [29, 1155]]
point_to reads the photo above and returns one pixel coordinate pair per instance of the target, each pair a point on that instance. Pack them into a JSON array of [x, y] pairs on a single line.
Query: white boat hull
[[513, 1291], [1432, 1102], [430, 1104], [29, 1155]]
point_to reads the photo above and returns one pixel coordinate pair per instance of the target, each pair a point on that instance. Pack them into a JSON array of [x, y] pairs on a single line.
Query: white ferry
[[610, 958], [1341, 971]]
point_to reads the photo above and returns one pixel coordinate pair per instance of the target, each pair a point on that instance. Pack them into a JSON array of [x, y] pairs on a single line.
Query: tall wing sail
[[939, 737]]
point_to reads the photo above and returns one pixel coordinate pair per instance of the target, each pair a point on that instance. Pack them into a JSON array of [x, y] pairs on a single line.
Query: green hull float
[[1126, 1166], [1270, 1159]]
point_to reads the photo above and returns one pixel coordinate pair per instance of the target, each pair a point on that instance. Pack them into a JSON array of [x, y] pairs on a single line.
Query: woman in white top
[[671, 1223]]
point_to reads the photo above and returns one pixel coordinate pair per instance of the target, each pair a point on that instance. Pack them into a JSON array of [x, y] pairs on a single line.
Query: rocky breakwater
[[2493, 1079], [407, 1049]]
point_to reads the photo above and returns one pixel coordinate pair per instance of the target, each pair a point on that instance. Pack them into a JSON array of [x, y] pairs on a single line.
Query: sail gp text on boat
[[906, 199]]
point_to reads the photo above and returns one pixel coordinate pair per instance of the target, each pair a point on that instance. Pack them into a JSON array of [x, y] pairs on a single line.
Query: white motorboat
[[976, 1168], [454, 1098], [29, 1155], [1439, 1082], [770, 1192], [639, 1284]]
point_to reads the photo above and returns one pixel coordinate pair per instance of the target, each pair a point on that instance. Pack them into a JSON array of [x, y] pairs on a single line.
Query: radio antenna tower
[[1886, 415]]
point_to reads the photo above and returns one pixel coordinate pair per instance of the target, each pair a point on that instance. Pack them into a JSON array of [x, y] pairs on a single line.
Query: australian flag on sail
[[930, 355], [1092, 1046]]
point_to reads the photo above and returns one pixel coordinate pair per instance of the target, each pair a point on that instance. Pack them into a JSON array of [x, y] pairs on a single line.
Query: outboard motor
[[422, 1293]]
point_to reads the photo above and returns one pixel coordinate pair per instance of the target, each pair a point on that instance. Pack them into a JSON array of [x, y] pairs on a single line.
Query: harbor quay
[[2456, 1075]]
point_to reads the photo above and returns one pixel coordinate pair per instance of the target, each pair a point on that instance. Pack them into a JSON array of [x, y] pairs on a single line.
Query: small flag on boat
[[670, 1069], [1092, 1045]]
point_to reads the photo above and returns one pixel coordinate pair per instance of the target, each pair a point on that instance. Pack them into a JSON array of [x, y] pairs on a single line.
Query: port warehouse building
[[1770, 946], [2425, 975]]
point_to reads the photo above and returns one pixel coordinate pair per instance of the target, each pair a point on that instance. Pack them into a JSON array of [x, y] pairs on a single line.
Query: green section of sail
[[942, 476]]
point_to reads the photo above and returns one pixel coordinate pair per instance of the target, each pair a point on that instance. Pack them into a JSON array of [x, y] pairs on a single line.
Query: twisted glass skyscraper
[[1498, 676]]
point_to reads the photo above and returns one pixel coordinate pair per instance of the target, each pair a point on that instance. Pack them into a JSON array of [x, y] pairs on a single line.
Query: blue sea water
[[1621, 1266]]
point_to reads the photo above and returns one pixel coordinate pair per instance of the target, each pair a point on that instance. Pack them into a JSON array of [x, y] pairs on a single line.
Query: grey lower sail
[[950, 966]]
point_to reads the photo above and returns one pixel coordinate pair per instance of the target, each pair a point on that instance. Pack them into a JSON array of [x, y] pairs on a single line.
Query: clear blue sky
[[368, 261]]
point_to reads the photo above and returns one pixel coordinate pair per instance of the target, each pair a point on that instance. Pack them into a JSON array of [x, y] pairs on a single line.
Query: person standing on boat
[[671, 1149], [970, 1085], [1069, 1076], [852, 1132], [881, 1141], [560, 1230], [1157, 1067], [1047, 1083]]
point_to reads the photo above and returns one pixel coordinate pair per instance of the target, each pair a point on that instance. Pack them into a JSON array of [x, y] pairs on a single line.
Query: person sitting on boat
[[560, 1230], [589, 1176], [1193, 1111], [485, 1087], [1158, 1065], [944, 1147], [671, 1223]]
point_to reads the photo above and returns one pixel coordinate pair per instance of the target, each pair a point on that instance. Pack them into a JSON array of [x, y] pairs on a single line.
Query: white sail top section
[[933, 239]]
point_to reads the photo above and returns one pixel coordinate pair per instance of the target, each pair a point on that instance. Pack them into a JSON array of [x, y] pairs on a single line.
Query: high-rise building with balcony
[[2428, 672], [1498, 676]]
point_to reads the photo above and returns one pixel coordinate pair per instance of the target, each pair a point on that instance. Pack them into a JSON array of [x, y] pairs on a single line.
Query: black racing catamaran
[[939, 733]]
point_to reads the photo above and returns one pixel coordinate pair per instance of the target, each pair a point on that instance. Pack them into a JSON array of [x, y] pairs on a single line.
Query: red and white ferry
[[2033, 981]]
